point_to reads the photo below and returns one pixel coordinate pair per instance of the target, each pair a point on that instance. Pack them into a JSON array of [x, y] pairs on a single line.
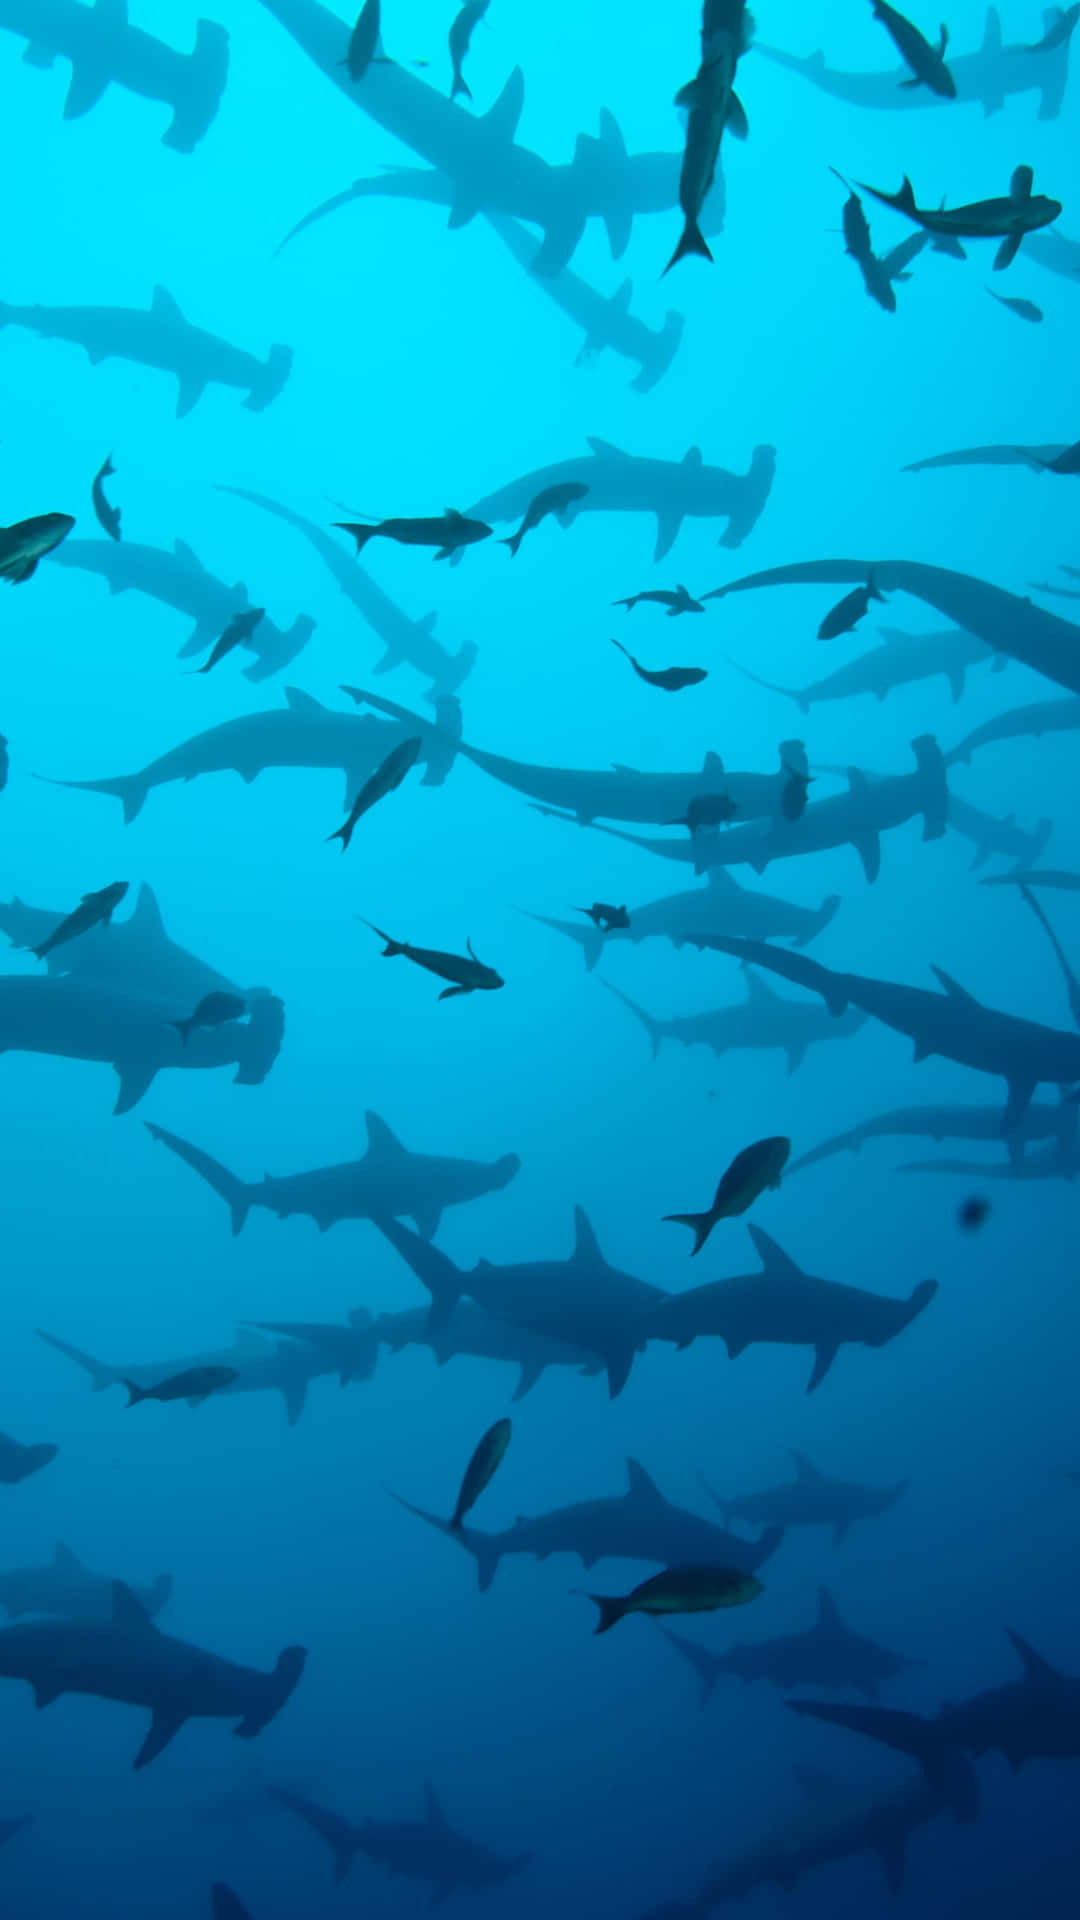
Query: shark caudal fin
[[654, 1028], [483, 1547], [237, 1194], [433, 1269], [135, 1393], [101, 1376], [130, 789], [947, 1771], [343, 1839], [270, 380], [275, 1689]]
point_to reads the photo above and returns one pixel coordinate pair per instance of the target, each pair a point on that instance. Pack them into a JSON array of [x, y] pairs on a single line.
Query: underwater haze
[[441, 1017]]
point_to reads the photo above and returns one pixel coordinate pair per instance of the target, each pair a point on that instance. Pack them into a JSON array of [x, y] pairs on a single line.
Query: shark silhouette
[[764, 1021], [687, 918], [902, 660], [828, 1653], [1020, 723], [64, 1587], [1055, 1122], [429, 1849], [812, 1499]]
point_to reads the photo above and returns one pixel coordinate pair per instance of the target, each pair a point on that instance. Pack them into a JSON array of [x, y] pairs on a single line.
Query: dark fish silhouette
[[385, 778], [448, 534], [94, 910], [237, 634], [708, 810], [213, 1010], [1023, 309], [557, 500], [23, 544], [194, 1384], [679, 601], [751, 1171], [795, 792], [465, 976], [713, 105], [481, 1470], [668, 679], [461, 33], [927, 63], [607, 918], [1007, 218], [18, 1462], [364, 40], [679, 1590], [108, 517], [845, 616], [973, 1213]]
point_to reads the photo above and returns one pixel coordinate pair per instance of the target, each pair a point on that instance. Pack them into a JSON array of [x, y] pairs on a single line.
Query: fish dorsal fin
[[804, 1468], [147, 915], [757, 992], [127, 1612], [713, 766], [1035, 1667], [586, 1245], [826, 1610], [298, 701], [502, 119], [611, 135], [433, 1812], [992, 34], [814, 1782], [642, 1485], [1021, 184], [601, 447], [775, 1261], [63, 1557], [953, 987], [380, 1139], [693, 459], [164, 306]]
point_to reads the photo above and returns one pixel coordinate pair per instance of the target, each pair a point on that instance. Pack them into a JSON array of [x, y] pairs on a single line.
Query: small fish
[[383, 781], [751, 1171], [1023, 309], [213, 1010], [481, 1470], [605, 917], [679, 601], [460, 35], [94, 910], [927, 63], [23, 544], [679, 1590], [668, 679], [466, 976], [557, 500], [195, 1383], [448, 533], [794, 794], [707, 810], [240, 628], [845, 616], [713, 105], [973, 1213], [108, 517], [363, 40]]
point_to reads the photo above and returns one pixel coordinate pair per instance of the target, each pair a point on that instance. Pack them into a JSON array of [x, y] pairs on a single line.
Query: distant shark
[[1037, 458], [429, 1849], [159, 337], [1020, 723], [670, 490], [126, 1658], [104, 50], [988, 77], [64, 1587], [387, 1183], [828, 1653], [812, 1499], [179, 580], [764, 1021], [901, 660], [688, 918], [1054, 1122]]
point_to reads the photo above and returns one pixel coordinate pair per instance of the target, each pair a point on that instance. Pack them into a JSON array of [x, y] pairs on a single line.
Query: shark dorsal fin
[[775, 1261], [1035, 1667], [601, 447], [693, 459], [953, 987], [586, 1245], [713, 765], [826, 1609], [804, 1468], [1021, 184], [611, 134], [146, 918], [757, 991], [63, 1557], [503, 117], [164, 306], [298, 701], [380, 1139], [433, 1812], [992, 35], [642, 1485], [129, 1613]]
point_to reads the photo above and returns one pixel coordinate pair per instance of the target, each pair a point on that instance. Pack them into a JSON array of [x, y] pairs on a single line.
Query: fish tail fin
[[691, 240], [344, 834], [360, 533], [611, 1611], [513, 541], [391, 948], [134, 1393], [237, 1194], [129, 788], [700, 1224], [947, 1771]]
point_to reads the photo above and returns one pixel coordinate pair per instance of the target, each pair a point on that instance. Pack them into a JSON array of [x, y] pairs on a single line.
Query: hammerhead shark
[[1038, 458], [783, 1306], [580, 1300], [160, 337], [987, 77], [126, 1658], [1020, 723], [829, 1653], [1024, 1053], [670, 490], [104, 50], [901, 660], [764, 1021], [684, 918], [133, 956], [640, 1524], [429, 1849], [812, 1499], [65, 1587], [388, 1182], [1040, 1121]]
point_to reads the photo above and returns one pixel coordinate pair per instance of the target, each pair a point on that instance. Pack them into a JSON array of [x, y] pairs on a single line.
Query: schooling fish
[[558, 500], [448, 533], [363, 40], [751, 1171], [108, 517], [927, 62], [713, 105], [23, 544], [383, 781], [845, 616], [1007, 218], [237, 633], [1023, 309], [679, 1590], [195, 1384], [681, 601], [460, 35], [668, 679], [481, 1470], [466, 976], [607, 918], [213, 1010], [95, 909]]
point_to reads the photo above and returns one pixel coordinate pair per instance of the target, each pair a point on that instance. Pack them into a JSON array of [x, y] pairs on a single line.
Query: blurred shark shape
[[828, 1653], [812, 1499], [688, 918], [134, 955], [764, 1021], [388, 1182], [1020, 723], [179, 580], [160, 337], [1037, 458], [901, 660], [429, 1849], [105, 50], [64, 1587], [1054, 1122]]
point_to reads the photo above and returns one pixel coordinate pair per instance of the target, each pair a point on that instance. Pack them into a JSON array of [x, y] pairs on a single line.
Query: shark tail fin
[[483, 1547], [101, 1376], [947, 1771], [130, 789], [653, 1027], [235, 1193], [433, 1269], [271, 378], [276, 1688], [700, 1224], [455, 671], [798, 694], [513, 541]]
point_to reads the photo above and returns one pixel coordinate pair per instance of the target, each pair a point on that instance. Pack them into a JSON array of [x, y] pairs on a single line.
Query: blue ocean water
[[431, 369]]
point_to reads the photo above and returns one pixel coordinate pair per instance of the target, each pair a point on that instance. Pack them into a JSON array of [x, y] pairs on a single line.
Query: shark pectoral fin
[[796, 1054], [1007, 252], [45, 1692], [668, 522], [947, 243], [190, 392], [295, 1395], [88, 84], [868, 848], [135, 1078], [737, 122], [527, 1378], [462, 211], [162, 1728], [618, 1371], [916, 82], [823, 1359], [451, 993], [426, 1220], [619, 222]]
